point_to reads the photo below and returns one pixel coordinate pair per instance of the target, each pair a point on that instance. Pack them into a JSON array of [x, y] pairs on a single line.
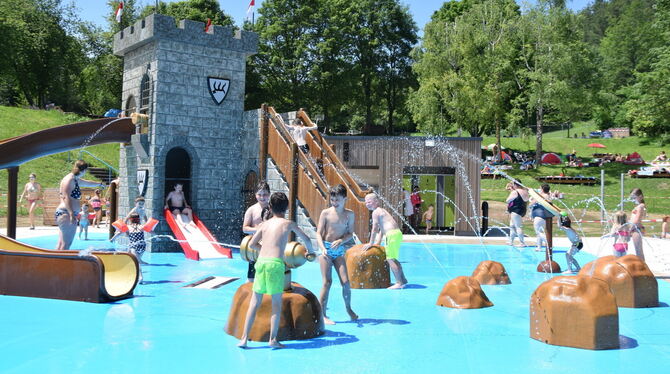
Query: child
[[254, 217], [664, 227], [270, 265], [299, 131], [566, 225], [384, 224], [621, 234], [428, 218], [83, 221], [137, 244], [335, 235], [139, 209], [96, 204], [176, 203]]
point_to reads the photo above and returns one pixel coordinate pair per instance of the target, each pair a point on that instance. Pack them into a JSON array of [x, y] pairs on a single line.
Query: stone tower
[[191, 85]]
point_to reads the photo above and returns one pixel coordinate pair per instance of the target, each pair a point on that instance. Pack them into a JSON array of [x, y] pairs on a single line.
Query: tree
[[555, 67], [195, 10], [467, 66]]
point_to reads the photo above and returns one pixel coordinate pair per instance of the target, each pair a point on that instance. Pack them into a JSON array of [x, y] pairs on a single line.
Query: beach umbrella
[[596, 145], [551, 158]]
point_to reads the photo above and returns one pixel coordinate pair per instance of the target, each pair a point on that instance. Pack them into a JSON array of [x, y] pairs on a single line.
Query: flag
[[119, 11], [208, 26], [250, 9]]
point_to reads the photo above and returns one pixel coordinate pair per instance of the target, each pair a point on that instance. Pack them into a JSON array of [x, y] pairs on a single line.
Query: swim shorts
[[393, 240], [338, 251], [269, 276]]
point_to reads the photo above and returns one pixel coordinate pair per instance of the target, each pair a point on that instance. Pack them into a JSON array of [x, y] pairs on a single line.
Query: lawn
[[50, 169], [656, 191]]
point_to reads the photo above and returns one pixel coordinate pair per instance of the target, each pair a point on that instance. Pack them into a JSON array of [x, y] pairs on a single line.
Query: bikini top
[[32, 188], [76, 192]]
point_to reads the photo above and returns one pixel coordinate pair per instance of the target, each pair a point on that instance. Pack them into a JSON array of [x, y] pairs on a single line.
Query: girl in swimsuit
[[638, 214], [33, 193], [516, 206], [70, 193], [137, 244], [96, 203], [621, 234]]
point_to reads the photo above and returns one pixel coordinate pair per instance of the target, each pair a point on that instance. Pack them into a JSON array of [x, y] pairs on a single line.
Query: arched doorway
[[248, 192], [178, 170]]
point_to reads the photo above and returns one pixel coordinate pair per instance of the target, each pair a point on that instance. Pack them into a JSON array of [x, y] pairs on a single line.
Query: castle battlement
[[158, 26]]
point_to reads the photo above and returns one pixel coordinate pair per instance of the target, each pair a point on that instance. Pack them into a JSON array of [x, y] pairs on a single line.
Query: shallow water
[[166, 328]]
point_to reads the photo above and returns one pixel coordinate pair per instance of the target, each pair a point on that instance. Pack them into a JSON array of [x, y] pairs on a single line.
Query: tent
[[505, 156], [112, 113], [634, 159], [551, 158]]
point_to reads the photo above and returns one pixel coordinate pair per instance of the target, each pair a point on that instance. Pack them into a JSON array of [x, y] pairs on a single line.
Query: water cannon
[[295, 254]]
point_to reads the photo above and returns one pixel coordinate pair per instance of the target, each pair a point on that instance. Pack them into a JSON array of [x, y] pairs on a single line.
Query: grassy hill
[[50, 169], [656, 190]]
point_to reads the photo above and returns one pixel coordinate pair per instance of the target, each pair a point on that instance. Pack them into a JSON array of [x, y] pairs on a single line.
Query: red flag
[[208, 26], [250, 9], [119, 11]]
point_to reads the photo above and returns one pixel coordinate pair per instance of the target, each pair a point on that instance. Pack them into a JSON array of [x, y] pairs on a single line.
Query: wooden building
[[443, 168]]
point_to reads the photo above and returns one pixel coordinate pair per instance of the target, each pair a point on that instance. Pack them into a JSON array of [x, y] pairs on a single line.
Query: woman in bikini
[[96, 203], [33, 193], [70, 193], [638, 214]]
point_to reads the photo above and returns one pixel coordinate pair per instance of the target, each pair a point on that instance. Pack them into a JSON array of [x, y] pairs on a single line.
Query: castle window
[[145, 92], [131, 106]]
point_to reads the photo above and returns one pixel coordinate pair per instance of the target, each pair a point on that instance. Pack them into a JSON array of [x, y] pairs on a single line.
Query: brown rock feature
[[575, 311], [367, 269], [463, 293], [300, 315], [629, 278], [491, 273], [548, 266]]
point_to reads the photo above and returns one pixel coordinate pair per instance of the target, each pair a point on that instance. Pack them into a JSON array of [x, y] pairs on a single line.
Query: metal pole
[[622, 175], [602, 194], [12, 197]]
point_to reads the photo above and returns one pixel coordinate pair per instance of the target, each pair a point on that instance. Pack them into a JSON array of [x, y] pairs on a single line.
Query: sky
[[96, 10]]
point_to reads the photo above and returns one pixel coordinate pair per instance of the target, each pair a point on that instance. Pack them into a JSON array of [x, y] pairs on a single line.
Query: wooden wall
[[392, 154]]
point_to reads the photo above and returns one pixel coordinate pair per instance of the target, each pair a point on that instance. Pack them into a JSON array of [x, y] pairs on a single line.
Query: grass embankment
[[656, 190], [49, 169]]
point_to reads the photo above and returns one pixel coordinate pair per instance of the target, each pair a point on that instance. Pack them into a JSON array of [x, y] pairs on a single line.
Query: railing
[[306, 182], [334, 170]]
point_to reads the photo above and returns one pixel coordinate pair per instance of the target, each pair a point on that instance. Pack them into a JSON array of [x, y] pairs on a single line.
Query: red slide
[[196, 240]]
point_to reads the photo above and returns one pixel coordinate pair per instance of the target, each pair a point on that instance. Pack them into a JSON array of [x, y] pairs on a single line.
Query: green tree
[[195, 10], [466, 68], [555, 69], [647, 107]]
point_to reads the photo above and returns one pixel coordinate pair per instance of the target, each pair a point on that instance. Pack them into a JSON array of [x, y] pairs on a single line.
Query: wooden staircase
[[106, 175], [309, 181]]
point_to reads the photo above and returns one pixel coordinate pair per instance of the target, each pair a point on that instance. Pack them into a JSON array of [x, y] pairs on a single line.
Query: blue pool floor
[[166, 328]]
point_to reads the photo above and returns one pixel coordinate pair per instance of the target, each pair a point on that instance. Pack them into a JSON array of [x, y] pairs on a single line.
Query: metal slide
[[195, 239]]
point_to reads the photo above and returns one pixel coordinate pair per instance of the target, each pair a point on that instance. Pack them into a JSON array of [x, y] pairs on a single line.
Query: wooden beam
[[263, 154], [12, 195], [114, 206]]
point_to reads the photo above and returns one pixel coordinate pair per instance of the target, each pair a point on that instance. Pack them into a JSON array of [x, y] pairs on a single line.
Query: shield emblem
[[142, 177], [218, 88]]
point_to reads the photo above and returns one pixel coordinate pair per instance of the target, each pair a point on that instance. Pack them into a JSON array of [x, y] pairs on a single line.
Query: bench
[[586, 181]]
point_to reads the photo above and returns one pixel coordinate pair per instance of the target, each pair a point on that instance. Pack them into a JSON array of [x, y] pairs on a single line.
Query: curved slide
[[196, 240], [19, 149], [35, 272]]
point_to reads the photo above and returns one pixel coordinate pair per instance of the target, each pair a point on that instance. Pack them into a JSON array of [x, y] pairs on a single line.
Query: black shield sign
[[218, 88], [142, 180]]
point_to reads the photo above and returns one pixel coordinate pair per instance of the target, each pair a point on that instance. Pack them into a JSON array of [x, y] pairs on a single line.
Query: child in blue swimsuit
[[335, 235]]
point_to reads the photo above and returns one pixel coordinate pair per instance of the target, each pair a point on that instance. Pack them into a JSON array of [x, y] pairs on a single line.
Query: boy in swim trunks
[[270, 265], [254, 217], [335, 235], [383, 224], [176, 203], [565, 224]]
